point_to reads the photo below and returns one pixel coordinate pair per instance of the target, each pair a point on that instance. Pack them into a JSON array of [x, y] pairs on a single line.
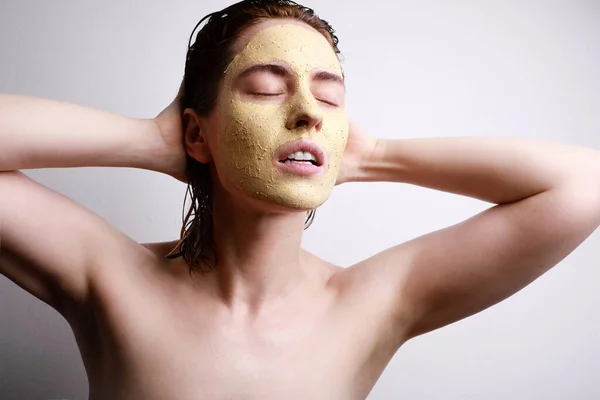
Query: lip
[[304, 145]]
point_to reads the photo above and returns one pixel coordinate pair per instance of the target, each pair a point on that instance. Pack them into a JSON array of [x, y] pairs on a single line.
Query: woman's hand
[[359, 148], [170, 128]]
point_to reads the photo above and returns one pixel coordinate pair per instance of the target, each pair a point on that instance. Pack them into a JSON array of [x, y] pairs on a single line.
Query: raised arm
[[547, 198], [44, 133], [50, 245]]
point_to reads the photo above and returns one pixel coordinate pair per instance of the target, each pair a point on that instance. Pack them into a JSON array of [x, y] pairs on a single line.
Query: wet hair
[[206, 61]]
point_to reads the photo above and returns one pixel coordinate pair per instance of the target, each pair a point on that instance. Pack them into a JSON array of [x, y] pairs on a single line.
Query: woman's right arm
[[43, 133], [51, 246]]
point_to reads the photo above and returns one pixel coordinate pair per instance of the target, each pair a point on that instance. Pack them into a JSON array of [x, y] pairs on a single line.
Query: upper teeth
[[302, 156]]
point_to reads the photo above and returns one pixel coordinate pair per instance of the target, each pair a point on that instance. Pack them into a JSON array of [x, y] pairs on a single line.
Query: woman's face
[[280, 126]]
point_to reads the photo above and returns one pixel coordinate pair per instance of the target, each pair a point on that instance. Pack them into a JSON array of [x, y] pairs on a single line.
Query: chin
[[291, 202], [267, 200], [300, 195], [303, 204], [281, 195]]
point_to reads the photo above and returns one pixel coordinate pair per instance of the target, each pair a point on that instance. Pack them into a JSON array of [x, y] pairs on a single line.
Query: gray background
[[414, 69]]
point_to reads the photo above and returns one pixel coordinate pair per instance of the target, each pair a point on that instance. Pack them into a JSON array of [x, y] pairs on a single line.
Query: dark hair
[[207, 59]]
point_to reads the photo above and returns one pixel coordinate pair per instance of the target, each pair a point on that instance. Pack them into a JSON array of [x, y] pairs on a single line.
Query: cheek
[[336, 130], [247, 137], [251, 127]]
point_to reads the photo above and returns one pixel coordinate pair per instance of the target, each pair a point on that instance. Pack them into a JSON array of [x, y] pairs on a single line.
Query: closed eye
[[266, 94], [328, 103]]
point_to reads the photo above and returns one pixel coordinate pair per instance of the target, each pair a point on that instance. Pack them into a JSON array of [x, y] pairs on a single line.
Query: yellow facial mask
[[250, 133]]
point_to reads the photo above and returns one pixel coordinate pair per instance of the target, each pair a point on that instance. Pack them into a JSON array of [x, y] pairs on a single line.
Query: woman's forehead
[[249, 32], [297, 44]]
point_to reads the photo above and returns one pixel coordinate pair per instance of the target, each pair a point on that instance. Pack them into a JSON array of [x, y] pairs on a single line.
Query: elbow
[[584, 199]]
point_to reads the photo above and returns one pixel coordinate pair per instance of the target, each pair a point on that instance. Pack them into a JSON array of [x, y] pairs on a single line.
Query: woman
[[263, 139]]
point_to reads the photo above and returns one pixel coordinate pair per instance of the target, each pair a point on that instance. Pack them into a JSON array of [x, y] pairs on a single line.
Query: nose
[[305, 113]]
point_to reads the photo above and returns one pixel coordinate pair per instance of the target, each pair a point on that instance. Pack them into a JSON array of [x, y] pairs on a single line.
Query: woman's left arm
[[547, 202]]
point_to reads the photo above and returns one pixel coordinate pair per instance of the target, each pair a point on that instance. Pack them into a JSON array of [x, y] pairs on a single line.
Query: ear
[[196, 144]]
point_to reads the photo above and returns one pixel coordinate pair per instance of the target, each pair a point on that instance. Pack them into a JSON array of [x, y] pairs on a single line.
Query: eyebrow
[[280, 70], [329, 77], [274, 69]]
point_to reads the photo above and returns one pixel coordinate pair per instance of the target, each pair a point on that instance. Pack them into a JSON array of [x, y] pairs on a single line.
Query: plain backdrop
[[414, 69]]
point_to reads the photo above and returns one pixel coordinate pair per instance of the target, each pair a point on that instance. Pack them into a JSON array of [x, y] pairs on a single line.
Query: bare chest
[[153, 346]]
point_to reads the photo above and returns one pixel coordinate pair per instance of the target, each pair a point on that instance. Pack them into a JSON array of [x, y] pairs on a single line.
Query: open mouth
[[303, 157], [301, 151]]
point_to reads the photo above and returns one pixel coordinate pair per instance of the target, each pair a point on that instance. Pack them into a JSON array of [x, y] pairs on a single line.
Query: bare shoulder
[[322, 271], [368, 279], [363, 281], [160, 249], [135, 275], [363, 316], [57, 249], [368, 293]]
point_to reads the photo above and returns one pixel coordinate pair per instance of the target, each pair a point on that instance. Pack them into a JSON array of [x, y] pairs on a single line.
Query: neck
[[260, 260]]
